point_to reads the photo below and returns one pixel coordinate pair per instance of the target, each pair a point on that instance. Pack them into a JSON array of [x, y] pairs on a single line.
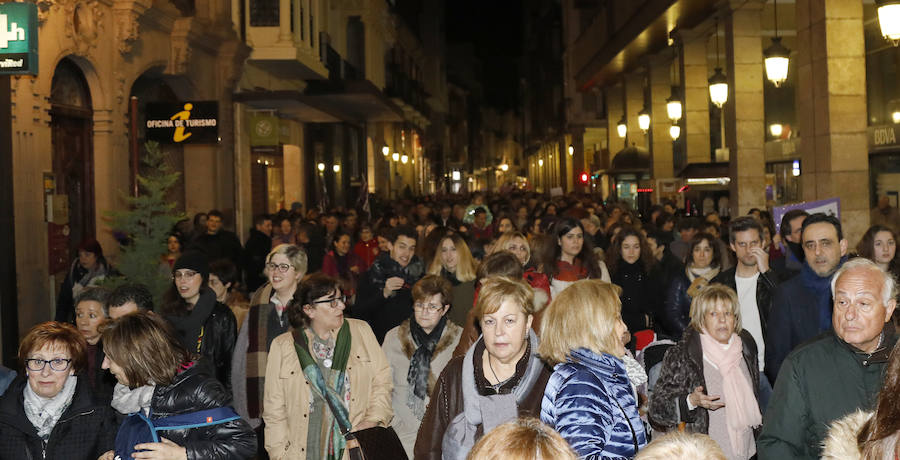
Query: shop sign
[[18, 39], [264, 129], [194, 122], [883, 136], [829, 206]]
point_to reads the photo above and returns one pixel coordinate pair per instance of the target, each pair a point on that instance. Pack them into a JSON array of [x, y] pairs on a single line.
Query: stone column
[[831, 108], [614, 110], [634, 103], [696, 97], [660, 90], [744, 111]]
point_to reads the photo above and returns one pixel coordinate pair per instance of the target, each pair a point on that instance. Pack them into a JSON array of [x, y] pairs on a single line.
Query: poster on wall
[[830, 206], [192, 122]]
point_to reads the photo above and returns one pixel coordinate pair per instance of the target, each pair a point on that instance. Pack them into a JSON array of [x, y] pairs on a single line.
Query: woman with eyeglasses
[[418, 349], [285, 266], [50, 411], [204, 325], [325, 355]]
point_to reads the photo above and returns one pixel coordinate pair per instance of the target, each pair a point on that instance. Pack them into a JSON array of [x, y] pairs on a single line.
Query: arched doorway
[[71, 123]]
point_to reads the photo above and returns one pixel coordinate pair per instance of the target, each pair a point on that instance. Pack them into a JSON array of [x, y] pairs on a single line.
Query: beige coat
[[399, 348], [287, 392]]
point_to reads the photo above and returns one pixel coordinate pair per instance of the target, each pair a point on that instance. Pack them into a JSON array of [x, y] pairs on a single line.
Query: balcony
[[408, 94], [285, 37]]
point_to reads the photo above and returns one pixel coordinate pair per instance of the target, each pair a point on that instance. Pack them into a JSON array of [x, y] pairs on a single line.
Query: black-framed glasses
[[184, 274], [282, 268], [332, 302], [429, 307], [56, 364]]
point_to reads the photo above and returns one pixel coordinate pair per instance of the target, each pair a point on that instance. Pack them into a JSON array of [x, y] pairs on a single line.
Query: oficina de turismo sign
[[18, 39], [192, 122]]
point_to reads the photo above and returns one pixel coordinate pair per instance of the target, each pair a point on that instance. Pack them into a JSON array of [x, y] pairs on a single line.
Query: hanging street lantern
[[385, 151], [571, 150], [644, 120], [622, 127], [889, 20], [404, 158], [673, 106], [718, 88], [777, 58], [674, 132], [775, 129]]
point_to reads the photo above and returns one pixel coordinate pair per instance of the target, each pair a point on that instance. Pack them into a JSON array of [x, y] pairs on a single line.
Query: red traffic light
[[584, 178]]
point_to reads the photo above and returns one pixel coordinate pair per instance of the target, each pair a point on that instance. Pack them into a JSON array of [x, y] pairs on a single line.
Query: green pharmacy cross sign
[[18, 39]]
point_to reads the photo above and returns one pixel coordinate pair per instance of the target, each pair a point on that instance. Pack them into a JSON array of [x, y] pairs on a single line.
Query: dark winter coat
[[222, 245], [255, 252], [384, 314], [677, 305], [589, 401], [85, 431], [641, 294], [681, 372], [219, 336], [104, 381], [196, 389], [820, 382]]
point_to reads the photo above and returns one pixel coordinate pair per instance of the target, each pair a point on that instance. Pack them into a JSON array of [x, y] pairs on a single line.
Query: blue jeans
[[765, 392]]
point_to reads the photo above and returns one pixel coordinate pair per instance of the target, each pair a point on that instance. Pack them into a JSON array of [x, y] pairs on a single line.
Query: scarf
[[190, 327], [741, 408], [487, 411], [420, 364], [263, 325], [636, 373], [82, 277], [332, 391], [42, 412], [820, 288], [699, 278], [128, 401]]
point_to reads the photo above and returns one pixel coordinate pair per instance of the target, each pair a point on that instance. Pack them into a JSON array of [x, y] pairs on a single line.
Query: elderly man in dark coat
[[838, 372]]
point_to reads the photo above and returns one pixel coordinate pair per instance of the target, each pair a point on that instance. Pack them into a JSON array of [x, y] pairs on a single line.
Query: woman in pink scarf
[[707, 379]]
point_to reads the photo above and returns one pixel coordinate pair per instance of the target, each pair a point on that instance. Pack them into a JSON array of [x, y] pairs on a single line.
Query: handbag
[[138, 428]]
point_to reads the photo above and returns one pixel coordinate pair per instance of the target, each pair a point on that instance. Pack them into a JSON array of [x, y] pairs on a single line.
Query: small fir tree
[[145, 226]]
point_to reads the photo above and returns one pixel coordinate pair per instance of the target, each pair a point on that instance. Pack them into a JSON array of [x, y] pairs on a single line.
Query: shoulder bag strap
[[634, 439]]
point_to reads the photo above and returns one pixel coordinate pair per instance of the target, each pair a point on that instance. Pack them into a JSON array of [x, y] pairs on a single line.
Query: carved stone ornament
[[127, 13], [84, 23], [180, 46]]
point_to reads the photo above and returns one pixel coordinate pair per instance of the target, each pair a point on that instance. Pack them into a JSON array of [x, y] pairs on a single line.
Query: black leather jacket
[[196, 389], [677, 305], [765, 291], [221, 330]]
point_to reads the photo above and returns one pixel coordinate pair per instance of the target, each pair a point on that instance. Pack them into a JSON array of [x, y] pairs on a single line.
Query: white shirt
[[746, 291]]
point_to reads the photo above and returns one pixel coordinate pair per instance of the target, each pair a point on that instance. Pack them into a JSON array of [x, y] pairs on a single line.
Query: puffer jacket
[[196, 389], [85, 430], [589, 401], [681, 372]]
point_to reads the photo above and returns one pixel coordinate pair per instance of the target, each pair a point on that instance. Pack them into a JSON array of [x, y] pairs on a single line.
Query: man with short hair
[[791, 261], [259, 243], [840, 371], [218, 243], [385, 292], [129, 298], [801, 309], [688, 227], [755, 284]]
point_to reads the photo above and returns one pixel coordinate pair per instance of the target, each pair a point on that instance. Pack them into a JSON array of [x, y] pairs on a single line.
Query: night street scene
[[449, 229]]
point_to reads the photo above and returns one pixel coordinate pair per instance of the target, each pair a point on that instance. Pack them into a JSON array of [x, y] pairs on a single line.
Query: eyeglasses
[[429, 307], [332, 302], [282, 268], [183, 274], [37, 365]]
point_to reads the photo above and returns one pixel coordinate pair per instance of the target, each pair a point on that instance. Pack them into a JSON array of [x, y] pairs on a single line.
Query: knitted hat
[[193, 260]]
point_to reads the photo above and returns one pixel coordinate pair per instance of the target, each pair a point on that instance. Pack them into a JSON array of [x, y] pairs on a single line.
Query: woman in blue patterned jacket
[[589, 399]]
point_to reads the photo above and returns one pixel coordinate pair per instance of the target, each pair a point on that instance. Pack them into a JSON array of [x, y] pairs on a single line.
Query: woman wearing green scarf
[[323, 356]]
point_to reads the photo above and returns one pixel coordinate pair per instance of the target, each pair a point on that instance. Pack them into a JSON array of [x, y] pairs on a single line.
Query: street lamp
[[336, 168], [404, 159], [504, 167], [718, 84], [674, 132], [385, 151], [775, 129], [889, 19], [622, 127], [777, 57], [321, 167], [644, 120], [395, 156], [895, 116], [541, 162], [571, 150], [673, 106]]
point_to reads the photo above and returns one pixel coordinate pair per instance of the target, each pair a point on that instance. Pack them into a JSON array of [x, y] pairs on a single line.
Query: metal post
[[134, 144], [9, 318]]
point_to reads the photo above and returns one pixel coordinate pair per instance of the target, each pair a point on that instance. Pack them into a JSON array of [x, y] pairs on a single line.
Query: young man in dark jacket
[[385, 291], [256, 250], [755, 285], [217, 242]]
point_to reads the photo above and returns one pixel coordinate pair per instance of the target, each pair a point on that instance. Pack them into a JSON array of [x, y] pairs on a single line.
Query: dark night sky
[[494, 27]]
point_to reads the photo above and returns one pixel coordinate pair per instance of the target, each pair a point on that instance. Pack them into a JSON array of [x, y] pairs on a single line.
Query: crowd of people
[[474, 327]]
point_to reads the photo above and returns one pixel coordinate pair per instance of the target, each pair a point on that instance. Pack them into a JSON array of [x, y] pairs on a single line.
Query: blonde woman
[[708, 380], [589, 399], [682, 446], [454, 262], [517, 244], [524, 438]]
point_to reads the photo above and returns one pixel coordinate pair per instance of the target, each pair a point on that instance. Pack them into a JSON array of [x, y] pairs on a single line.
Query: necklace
[[491, 366]]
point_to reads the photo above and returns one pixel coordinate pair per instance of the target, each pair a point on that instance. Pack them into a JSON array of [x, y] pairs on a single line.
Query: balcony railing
[[287, 30]]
